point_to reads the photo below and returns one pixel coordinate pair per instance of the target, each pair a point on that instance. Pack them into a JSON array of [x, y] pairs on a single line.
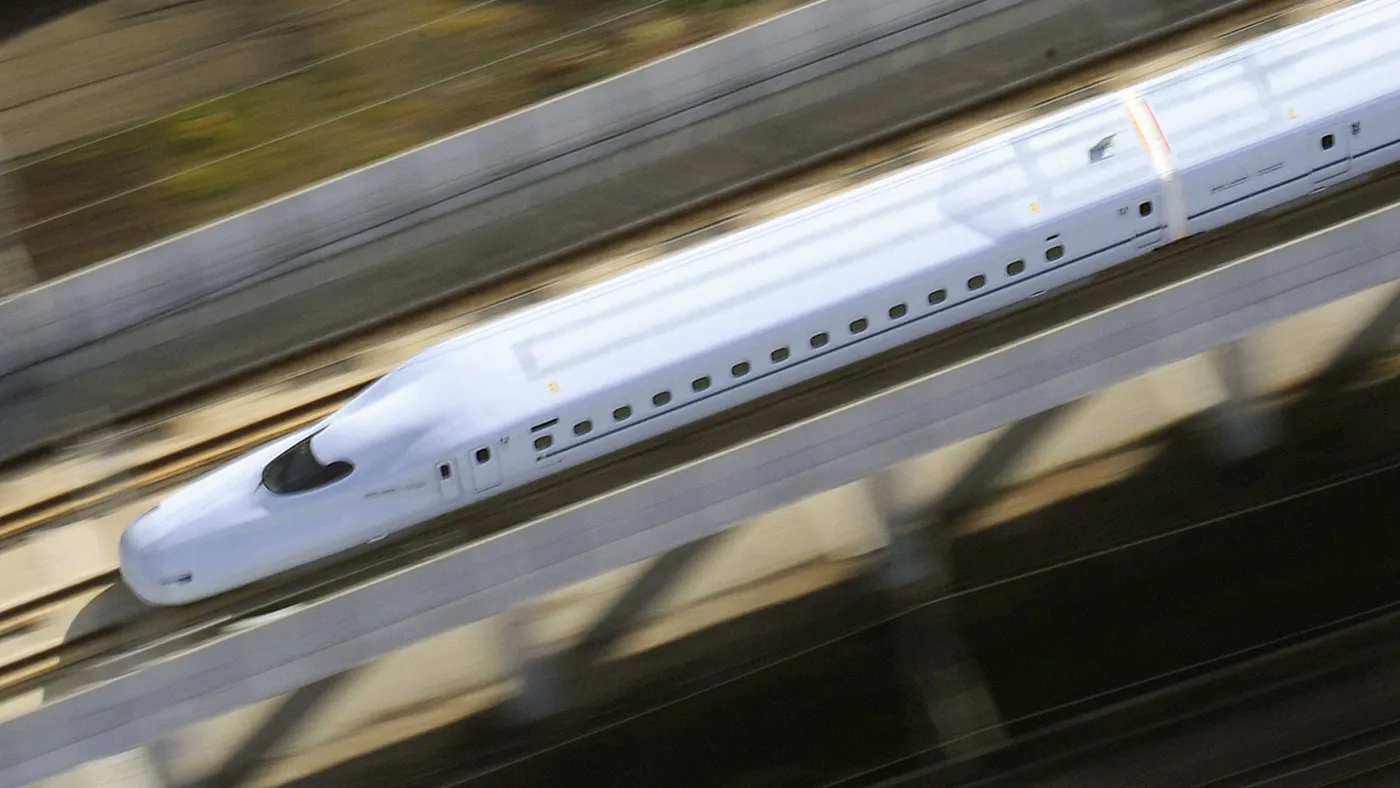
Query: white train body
[[999, 222]]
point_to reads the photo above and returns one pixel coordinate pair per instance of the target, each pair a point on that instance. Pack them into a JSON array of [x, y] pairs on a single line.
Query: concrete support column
[[954, 695], [16, 269], [550, 678], [1350, 363], [1243, 425], [918, 569], [543, 675], [141, 768]]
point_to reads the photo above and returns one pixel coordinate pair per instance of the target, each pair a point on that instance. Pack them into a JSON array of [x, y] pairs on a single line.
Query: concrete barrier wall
[[486, 203]]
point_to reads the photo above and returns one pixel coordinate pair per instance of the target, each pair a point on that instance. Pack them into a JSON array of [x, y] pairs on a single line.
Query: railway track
[[342, 369], [162, 472], [1234, 691]]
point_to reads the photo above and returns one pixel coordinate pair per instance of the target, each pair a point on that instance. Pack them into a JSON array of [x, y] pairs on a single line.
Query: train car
[[1036, 208]]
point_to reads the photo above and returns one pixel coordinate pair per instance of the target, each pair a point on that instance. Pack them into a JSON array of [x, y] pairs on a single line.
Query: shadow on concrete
[[20, 16], [1178, 563], [738, 748], [118, 604], [659, 578], [113, 604], [294, 710]]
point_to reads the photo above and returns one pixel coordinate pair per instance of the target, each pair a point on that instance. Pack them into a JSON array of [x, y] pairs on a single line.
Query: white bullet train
[[999, 222]]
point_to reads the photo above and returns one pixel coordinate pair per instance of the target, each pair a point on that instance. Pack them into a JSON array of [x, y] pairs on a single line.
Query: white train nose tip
[[141, 568], [135, 565]]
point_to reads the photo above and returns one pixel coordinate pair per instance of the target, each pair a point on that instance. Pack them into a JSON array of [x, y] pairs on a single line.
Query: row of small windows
[[663, 398]]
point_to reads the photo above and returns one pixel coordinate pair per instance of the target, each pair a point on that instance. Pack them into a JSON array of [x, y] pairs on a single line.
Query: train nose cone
[[140, 561], [139, 566]]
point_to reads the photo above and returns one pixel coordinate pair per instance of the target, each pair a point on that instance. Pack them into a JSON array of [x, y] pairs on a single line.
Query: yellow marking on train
[[554, 387], [1035, 207]]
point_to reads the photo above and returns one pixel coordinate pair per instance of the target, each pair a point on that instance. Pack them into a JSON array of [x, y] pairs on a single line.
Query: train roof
[[958, 206], [1233, 99], [985, 197]]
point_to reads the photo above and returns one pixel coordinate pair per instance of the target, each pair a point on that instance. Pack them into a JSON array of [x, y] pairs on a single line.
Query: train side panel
[[1344, 82], [653, 361], [1274, 120]]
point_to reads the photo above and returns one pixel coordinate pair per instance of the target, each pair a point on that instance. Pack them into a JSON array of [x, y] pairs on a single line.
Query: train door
[[449, 480], [1149, 219], [486, 469], [1331, 152]]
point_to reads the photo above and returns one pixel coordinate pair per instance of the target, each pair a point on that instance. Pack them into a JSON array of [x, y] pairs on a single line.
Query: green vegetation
[[366, 90]]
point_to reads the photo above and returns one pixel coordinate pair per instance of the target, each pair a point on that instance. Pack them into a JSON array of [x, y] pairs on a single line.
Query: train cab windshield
[[297, 470]]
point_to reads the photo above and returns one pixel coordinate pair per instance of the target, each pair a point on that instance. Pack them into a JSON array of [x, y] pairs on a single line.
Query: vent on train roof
[[1103, 149]]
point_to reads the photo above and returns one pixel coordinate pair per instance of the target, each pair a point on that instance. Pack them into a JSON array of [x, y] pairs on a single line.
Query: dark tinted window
[[297, 470]]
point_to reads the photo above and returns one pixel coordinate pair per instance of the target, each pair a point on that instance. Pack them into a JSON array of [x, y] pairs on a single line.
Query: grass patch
[[371, 86]]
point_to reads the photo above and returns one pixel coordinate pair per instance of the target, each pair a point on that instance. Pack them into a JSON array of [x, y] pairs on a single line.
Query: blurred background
[[1140, 532], [127, 122]]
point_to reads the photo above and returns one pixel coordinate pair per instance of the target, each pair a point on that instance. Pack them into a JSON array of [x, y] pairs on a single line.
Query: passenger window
[[623, 413], [444, 471], [1015, 267], [739, 370], [1145, 209], [976, 282], [859, 325], [937, 297], [483, 456], [1054, 253], [1328, 141], [661, 398], [779, 356], [897, 311], [700, 384], [583, 427], [543, 442], [819, 340]]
